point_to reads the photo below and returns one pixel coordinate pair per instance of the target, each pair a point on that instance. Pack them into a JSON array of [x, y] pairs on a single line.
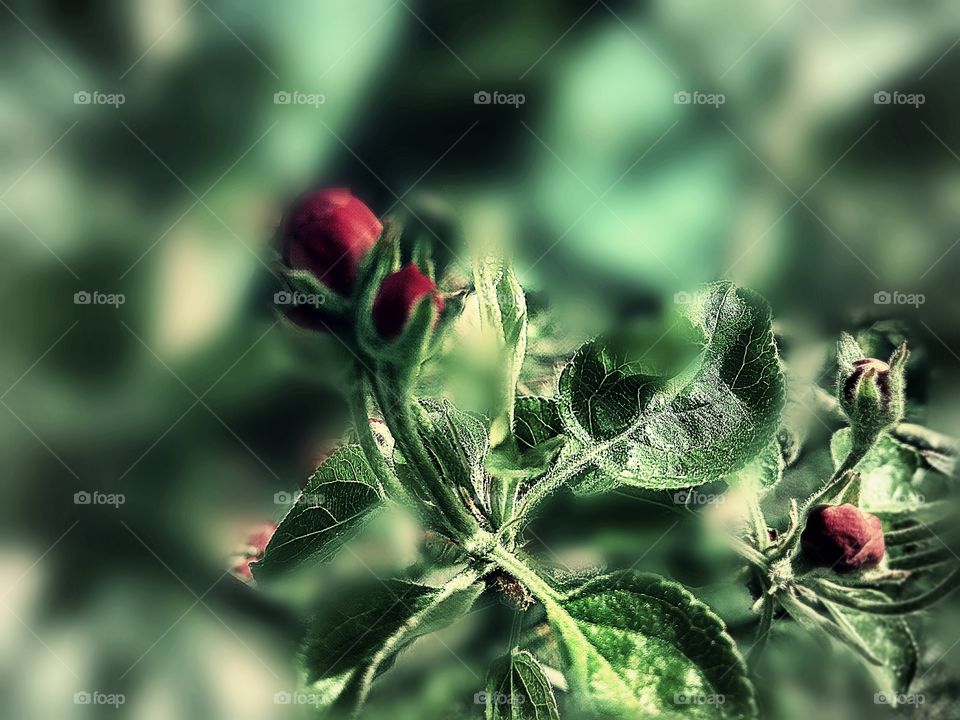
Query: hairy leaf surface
[[637, 645], [517, 689], [888, 638], [661, 418], [885, 472]]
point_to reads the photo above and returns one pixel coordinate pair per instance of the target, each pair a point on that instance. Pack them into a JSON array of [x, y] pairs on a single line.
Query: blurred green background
[[149, 148]]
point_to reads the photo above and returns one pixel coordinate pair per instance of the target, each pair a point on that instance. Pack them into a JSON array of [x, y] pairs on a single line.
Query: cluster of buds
[[335, 241]]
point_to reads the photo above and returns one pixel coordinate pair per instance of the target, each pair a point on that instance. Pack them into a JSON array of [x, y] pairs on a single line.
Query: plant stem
[[551, 482], [400, 421], [369, 445], [763, 630], [526, 575], [899, 607], [750, 554]]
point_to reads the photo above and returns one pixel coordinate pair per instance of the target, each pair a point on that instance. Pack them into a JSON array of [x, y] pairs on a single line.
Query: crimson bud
[[399, 294], [329, 232], [843, 538]]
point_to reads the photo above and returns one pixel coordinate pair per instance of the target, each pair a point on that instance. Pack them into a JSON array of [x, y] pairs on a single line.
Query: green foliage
[[886, 471], [354, 639], [337, 499], [669, 420], [889, 640], [503, 318], [687, 399], [517, 689], [638, 645]]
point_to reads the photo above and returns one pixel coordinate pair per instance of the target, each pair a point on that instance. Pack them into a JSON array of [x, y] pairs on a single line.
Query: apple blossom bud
[[871, 392], [399, 294], [843, 538], [329, 232], [256, 544]]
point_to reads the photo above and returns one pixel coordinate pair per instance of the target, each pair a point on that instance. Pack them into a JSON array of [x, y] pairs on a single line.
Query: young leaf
[[336, 501], [671, 421], [889, 639], [356, 637], [885, 472], [538, 436], [517, 689], [458, 442], [503, 316], [536, 420], [637, 645]]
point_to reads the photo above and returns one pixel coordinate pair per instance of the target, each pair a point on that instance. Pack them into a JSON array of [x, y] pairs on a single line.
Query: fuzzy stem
[[748, 553], [551, 482], [401, 423], [763, 630], [369, 445], [526, 575]]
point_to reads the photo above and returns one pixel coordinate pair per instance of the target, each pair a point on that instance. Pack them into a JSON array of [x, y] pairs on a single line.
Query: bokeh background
[[807, 149]]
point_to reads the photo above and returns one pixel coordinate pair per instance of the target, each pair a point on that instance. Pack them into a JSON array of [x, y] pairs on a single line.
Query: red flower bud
[[843, 537], [329, 232], [255, 546], [398, 296]]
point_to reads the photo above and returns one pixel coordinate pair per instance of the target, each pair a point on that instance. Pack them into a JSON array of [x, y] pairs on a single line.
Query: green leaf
[[611, 380], [889, 640], [663, 418], [336, 501], [538, 438], [517, 689], [637, 645], [503, 319], [886, 471], [848, 352], [355, 637], [761, 473], [458, 443], [536, 420]]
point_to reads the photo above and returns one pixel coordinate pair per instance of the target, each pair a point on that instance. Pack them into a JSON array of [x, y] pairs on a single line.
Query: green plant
[[695, 396]]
